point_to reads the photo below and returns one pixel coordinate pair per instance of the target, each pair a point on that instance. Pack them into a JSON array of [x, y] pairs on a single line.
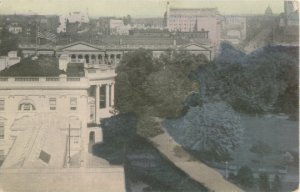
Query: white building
[[51, 121], [72, 17], [233, 29], [191, 20], [9, 60], [15, 28], [117, 27]]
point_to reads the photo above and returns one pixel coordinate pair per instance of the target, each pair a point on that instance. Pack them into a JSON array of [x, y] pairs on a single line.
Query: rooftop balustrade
[[43, 82]]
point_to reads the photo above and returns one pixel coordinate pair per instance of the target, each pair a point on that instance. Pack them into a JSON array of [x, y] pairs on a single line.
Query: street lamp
[[226, 169]]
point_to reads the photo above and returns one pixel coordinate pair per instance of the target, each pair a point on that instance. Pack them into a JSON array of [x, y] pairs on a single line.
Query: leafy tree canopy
[[264, 81], [212, 128], [156, 87], [245, 176]]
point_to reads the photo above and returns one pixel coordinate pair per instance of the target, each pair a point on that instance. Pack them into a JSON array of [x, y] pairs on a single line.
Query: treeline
[[265, 81]]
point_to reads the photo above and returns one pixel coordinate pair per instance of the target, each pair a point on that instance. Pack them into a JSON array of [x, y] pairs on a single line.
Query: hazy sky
[[136, 8]]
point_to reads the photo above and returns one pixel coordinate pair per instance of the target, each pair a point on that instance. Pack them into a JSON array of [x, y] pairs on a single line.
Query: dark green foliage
[[261, 149], [119, 128], [9, 42], [132, 73], [75, 70], [148, 127], [43, 66], [264, 81], [264, 185], [213, 130], [276, 185], [245, 177], [152, 87], [157, 87]]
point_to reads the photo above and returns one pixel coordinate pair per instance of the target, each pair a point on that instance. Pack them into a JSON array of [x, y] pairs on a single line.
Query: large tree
[[262, 82], [8, 42], [214, 128], [156, 87]]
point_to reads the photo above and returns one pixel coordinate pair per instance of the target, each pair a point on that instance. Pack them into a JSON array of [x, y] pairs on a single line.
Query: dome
[[269, 11]]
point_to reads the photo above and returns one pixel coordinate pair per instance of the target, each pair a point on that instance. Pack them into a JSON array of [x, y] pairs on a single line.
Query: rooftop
[[43, 66]]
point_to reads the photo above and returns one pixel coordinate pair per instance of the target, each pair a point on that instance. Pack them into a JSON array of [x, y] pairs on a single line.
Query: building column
[[115, 59], [112, 95], [107, 96], [109, 59], [97, 103]]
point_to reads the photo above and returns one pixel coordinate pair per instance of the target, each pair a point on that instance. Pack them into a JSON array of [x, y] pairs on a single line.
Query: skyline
[[140, 8]]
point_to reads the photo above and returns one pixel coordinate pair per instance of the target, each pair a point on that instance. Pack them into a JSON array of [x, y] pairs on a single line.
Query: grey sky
[[136, 8]]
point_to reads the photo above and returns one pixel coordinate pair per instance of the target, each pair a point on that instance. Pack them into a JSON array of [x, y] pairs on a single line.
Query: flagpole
[[36, 39]]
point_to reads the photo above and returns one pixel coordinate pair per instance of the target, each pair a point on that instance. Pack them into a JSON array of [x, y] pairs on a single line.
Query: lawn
[[277, 132]]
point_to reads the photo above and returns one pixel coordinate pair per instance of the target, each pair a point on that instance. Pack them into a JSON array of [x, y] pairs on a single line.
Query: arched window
[[73, 58], [26, 107], [87, 58]]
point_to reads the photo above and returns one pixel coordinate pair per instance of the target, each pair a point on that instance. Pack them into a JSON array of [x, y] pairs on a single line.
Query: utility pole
[[69, 160]]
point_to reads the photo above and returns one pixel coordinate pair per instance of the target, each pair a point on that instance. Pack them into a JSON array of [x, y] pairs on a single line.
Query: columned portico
[[107, 98], [112, 95], [97, 103], [104, 100]]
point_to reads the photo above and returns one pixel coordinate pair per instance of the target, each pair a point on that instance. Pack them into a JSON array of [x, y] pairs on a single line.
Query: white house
[[46, 121]]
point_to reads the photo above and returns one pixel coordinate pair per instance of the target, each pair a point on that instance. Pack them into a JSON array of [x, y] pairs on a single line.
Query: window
[[102, 96], [73, 103], [26, 107], [1, 130], [52, 103], [2, 104]]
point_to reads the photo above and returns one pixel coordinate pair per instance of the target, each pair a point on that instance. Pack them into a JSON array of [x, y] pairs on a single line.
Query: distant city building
[[233, 29], [9, 60], [268, 11], [114, 47], [191, 20], [289, 23], [148, 23], [117, 27], [103, 26], [15, 28], [72, 18]]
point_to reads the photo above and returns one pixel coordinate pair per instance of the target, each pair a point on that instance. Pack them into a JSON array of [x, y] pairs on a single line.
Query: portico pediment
[[194, 47], [79, 46]]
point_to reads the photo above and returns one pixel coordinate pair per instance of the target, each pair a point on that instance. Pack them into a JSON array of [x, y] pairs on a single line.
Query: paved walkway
[[63, 180], [198, 171]]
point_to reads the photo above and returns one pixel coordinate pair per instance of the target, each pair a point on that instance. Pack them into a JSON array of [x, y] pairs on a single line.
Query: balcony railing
[[26, 78], [42, 79]]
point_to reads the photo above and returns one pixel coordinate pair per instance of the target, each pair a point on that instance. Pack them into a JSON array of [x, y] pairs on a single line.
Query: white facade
[[233, 29], [72, 17], [191, 20], [15, 29], [54, 115], [117, 27]]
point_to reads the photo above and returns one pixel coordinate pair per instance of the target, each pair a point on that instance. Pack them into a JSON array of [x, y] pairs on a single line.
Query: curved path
[[198, 171]]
